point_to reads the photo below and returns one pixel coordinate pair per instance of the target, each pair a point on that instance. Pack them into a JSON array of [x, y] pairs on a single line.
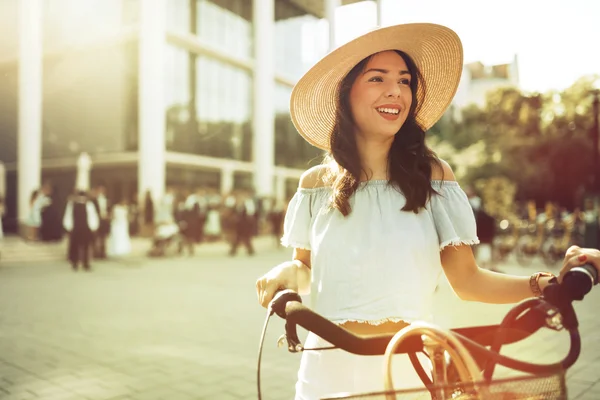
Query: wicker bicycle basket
[[472, 386], [550, 387]]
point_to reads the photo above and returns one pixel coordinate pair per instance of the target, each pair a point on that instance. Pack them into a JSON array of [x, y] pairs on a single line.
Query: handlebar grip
[[579, 281], [281, 299]]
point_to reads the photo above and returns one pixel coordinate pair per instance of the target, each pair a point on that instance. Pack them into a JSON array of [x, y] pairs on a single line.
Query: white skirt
[[119, 243], [329, 372]]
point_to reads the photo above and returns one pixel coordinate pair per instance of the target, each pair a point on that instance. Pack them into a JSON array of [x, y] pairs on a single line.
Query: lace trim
[[375, 322], [458, 242], [294, 244]]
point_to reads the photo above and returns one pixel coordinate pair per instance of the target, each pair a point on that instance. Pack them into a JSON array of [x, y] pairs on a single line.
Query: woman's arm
[[301, 259], [472, 283]]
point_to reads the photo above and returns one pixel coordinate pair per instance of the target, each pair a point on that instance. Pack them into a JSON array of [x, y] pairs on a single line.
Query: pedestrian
[[2, 209], [148, 225], [34, 218], [245, 219], [101, 203], [119, 242], [80, 221], [381, 219], [486, 231]]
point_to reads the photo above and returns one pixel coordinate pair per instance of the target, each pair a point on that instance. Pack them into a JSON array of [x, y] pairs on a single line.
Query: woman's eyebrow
[[384, 71]]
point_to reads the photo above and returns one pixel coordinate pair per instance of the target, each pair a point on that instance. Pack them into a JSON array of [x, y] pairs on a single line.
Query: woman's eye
[[376, 79], [404, 81]]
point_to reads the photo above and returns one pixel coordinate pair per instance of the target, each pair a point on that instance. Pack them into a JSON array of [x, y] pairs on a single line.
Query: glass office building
[[157, 92]]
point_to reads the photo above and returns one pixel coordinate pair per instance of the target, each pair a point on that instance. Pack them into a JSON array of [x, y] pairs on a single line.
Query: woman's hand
[[577, 256], [283, 276]]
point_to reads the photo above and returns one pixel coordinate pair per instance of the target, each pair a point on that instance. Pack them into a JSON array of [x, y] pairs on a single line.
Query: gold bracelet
[[534, 282]]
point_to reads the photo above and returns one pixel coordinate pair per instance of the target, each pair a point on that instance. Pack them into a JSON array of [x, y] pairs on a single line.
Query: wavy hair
[[410, 161]]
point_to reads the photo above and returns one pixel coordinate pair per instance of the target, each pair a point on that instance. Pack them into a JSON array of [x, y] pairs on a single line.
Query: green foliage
[[540, 142]]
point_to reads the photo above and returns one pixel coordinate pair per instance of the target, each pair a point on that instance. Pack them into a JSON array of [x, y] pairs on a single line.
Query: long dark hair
[[410, 161]]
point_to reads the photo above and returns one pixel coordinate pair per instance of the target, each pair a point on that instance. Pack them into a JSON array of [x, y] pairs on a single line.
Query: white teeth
[[389, 110]]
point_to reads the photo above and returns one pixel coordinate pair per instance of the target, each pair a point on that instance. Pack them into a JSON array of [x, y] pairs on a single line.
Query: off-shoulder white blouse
[[379, 263]]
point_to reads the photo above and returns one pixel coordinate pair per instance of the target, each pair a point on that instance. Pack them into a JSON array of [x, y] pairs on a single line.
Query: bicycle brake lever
[[293, 346], [553, 317], [281, 339], [291, 335]]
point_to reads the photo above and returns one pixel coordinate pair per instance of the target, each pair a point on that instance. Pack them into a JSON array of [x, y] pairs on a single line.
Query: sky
[[556, 41]]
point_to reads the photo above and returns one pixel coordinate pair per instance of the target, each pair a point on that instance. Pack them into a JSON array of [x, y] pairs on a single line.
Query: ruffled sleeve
[[452, 215], [296, 226]]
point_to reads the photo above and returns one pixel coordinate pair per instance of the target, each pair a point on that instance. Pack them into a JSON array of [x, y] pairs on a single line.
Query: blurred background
[[143, 96], [172, 116]]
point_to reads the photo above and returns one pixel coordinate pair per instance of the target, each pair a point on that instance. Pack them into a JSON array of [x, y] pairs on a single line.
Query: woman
[[119, 243], [34, 219], [374, 227]]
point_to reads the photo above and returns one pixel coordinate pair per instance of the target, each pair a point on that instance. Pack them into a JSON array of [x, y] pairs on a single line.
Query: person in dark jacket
[[81, 221]]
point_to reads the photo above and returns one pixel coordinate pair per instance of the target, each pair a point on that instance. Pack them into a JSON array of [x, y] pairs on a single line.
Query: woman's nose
[[394, 90]]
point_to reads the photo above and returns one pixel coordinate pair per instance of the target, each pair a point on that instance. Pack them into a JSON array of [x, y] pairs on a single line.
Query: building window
[[291, 150], [223, 109], [90, 101], [179, 15], [208, 106], [178, 95], [226, 25], [76, 22], [299, 44]]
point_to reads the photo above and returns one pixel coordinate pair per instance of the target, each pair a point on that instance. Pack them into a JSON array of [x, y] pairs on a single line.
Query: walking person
[[244, 220], [100, 202], [212, 227], [486, 231], [148, 224], [34, 218], [186, 217], [50, 229], [119, 242], [276, 215], [80, 221]]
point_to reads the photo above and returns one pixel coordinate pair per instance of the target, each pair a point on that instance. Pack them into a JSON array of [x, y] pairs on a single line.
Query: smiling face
[[381, 97]]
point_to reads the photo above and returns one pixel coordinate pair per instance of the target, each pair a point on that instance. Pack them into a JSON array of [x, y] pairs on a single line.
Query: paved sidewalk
[[188, 328], [16, 251]]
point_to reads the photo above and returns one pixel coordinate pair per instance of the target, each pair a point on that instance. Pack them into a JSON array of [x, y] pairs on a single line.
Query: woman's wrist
[[538, 282]]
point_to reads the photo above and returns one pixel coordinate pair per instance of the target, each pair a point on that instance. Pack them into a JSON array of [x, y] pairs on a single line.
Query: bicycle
[[468, 371]]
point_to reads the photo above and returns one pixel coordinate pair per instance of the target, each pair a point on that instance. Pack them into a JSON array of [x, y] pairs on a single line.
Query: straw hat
[[435, 49]]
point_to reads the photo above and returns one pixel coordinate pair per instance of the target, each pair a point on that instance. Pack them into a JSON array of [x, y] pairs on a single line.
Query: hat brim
[[435, 49]]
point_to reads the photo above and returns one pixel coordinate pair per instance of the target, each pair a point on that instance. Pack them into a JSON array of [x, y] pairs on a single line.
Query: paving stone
[[189, 328]]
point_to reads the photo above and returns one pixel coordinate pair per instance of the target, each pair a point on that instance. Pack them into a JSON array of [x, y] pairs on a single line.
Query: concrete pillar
[[227, 175], [379, 4], [29, 141], [330, 7], [151, 157], [263, 123]]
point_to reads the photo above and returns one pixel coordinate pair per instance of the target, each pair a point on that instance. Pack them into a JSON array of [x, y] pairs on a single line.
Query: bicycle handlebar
[[296, 313], [576, 284]]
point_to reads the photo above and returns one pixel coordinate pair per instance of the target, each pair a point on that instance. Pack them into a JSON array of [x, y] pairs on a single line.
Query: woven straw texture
[[436, 50]]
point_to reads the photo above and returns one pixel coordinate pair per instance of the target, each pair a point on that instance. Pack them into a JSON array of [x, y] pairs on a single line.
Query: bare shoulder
[[442, 171], [314, 177]]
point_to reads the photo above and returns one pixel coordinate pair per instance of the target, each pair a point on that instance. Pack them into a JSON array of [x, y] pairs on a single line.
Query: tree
[[540, 142]]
